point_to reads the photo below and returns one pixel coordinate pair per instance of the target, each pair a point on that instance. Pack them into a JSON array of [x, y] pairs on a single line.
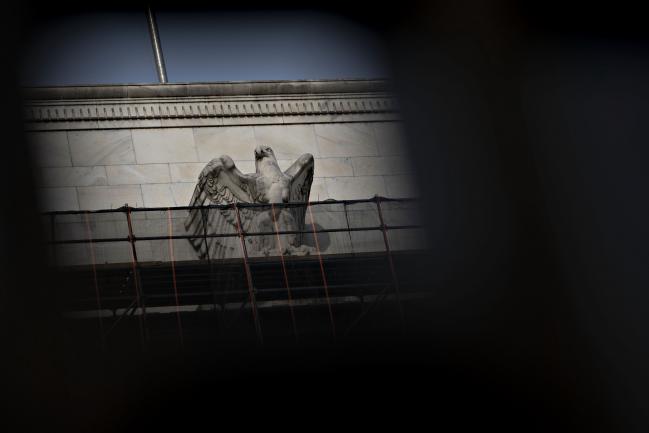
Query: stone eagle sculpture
[[221, 182]]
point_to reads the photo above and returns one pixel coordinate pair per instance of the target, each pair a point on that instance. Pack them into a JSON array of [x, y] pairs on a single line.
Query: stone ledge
[[195, 122], [233, 88]]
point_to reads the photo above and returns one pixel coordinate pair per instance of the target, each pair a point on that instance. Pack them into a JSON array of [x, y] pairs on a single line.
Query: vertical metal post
[[395, 280], [349, 232], [322, 271], [157, 48], [91, 250], [285, 273], [251, 290], [219, 316], [173, 277], [136, 276]]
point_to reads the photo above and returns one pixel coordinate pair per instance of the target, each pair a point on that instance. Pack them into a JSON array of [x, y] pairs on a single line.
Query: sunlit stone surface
[[94, 150]]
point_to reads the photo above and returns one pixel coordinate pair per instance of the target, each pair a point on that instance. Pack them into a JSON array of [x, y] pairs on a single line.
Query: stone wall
[[93, 152]]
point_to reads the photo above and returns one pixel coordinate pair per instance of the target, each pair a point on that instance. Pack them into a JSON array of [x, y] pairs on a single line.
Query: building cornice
[[210, 104], [230, 88]]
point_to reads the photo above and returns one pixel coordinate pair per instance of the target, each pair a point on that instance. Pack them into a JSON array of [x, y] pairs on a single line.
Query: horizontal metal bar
[[209, 308], [228, 206], [230, 235], [266, 291], [86, 241]]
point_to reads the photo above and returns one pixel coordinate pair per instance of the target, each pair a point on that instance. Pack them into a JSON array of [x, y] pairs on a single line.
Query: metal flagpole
[[157, 48]]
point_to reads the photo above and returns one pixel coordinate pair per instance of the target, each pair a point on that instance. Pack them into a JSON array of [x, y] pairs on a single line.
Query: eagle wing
[[301, 174], [219, 183]]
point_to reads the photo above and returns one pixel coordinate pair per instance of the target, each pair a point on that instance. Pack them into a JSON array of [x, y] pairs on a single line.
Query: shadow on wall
[[324, 239]]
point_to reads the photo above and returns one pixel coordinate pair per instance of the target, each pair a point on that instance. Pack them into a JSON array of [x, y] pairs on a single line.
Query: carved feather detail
[[222, 183]]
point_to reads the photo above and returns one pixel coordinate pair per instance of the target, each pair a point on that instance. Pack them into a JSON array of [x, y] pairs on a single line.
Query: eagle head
[[262, 152]]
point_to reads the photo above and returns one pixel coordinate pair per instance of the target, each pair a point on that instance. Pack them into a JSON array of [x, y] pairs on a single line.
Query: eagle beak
[[258, 152]]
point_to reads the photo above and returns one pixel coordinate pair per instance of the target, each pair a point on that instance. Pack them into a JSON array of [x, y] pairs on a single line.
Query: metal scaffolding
[[364, 254]]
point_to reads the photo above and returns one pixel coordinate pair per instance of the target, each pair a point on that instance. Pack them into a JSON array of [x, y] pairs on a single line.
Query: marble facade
[[87, 162]]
